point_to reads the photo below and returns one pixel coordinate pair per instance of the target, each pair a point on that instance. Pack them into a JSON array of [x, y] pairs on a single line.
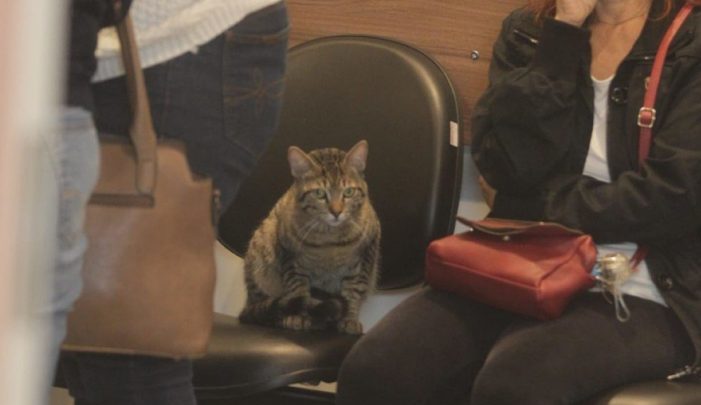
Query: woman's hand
[[574, 12]]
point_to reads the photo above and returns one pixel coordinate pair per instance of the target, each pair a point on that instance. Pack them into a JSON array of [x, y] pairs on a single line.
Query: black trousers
[[438, 348]]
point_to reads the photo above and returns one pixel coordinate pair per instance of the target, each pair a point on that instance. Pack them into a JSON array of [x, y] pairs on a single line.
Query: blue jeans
[[75, 157], [224, 103]]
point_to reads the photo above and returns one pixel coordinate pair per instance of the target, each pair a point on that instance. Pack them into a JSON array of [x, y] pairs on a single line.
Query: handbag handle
[[141, 131]]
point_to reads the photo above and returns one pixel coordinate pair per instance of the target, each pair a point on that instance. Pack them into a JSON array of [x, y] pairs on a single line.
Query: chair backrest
[[340, 90]]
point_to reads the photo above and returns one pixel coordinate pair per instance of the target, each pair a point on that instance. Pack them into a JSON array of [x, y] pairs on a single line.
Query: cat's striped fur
[[315, 258]]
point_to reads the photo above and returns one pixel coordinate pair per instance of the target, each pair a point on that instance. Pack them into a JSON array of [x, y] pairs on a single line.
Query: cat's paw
[[296, 305], [350, 326], [297, 322]]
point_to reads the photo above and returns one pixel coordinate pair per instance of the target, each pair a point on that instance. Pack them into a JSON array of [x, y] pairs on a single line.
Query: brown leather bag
[[149, 269]]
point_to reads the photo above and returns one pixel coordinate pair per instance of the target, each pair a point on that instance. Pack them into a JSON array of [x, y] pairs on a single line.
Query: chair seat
[[652, 393], [244, 359]]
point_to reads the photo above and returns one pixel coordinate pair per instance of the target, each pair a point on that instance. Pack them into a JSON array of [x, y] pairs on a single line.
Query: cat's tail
[[264, 312]]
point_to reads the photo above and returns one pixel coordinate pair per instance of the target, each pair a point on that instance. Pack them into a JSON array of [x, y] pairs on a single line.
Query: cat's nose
[[336, 208]]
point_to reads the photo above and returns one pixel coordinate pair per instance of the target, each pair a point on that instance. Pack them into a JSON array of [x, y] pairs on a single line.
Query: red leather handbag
[[532, 268]]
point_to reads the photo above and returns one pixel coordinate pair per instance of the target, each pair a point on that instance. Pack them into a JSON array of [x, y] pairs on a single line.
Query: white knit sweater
[[168, 28]]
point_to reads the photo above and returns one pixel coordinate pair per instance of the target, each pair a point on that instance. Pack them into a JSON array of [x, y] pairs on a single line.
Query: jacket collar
[[653, 31]]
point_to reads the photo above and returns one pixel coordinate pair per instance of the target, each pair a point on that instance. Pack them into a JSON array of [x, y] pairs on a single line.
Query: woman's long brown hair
[[546, 8]]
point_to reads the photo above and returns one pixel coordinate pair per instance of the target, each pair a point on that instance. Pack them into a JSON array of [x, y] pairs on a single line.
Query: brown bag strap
[[142, 134]]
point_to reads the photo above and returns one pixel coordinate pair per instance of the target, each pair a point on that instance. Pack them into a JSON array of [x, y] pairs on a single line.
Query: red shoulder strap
[[647, 114]]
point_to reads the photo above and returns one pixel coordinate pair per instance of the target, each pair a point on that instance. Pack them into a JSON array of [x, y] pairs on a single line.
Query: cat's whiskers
[[307, 229], [357, 225]]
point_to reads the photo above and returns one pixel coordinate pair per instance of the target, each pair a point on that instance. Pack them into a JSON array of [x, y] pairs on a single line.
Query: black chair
[[340, 90]]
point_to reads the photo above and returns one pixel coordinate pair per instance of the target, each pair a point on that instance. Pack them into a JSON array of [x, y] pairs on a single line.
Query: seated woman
[[555, 134]]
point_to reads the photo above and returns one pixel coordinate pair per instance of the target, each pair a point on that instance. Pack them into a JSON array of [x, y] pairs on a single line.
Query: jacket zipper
[[527, 37]]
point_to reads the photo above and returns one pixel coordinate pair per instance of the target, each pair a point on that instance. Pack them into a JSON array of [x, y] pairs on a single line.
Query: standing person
[[555, 134], [214, 73], [75, 156]]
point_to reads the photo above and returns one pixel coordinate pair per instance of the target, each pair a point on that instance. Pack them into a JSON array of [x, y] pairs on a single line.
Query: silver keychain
[[611, 271]]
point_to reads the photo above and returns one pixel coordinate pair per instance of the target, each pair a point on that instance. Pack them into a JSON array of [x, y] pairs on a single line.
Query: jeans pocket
[[253, 79]]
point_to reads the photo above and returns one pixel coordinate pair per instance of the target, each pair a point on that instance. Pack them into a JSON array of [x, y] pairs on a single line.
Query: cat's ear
[[357, 156], [300, 163]]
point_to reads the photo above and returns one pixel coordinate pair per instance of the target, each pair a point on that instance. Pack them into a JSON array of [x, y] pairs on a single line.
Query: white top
[[166, 29], [639, 284]]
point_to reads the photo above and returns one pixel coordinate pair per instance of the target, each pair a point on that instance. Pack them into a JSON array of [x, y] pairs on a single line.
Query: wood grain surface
[[448, 30]]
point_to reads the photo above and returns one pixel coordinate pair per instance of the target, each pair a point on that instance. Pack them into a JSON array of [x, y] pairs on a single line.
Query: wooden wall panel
[[448, 30]]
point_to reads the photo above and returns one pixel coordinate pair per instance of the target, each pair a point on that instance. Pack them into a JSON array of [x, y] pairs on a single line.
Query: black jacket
[[531, 133]]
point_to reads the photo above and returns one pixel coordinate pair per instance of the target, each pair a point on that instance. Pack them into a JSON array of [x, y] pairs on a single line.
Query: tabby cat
[[315, 258]]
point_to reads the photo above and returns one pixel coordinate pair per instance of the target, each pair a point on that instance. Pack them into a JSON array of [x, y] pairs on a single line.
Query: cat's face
[[329, 183]]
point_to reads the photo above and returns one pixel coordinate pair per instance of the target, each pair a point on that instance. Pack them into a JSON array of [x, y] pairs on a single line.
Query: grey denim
[[76, 157]]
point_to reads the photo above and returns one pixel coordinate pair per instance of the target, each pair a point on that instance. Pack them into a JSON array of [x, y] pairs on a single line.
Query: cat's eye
[[349, 192], [320, 193]]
